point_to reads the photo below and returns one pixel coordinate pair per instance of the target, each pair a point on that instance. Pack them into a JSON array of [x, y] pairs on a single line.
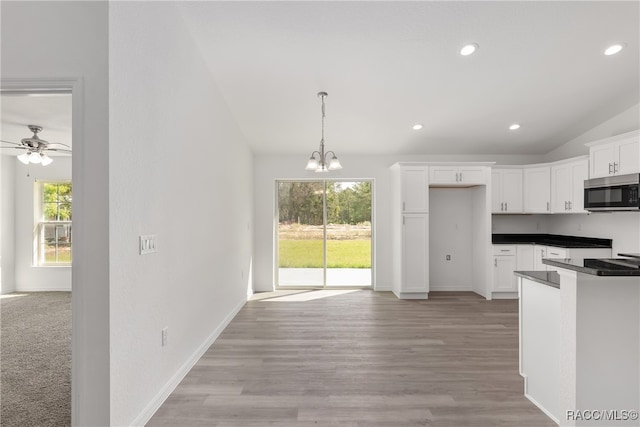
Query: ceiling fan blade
[[60, 150], [17, 148], [59, 143], [9, 142]]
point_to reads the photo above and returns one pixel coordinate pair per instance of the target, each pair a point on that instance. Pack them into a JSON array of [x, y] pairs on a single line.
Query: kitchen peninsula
[[580, 340]]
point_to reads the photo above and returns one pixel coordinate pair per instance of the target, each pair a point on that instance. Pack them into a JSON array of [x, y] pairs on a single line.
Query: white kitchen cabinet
[[524, 258], [618, 155], [456, 175], [410, 231], [506, 191], [541, 251], [567, 186], [537, 189], [413, 281], [504, 264], [414, 188]]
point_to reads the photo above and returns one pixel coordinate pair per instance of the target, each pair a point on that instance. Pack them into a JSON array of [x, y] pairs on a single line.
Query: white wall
[[7, 223], [509, 224], [624, 122], [181, 170], [270, 168], [450, 233], [30, 278], [70, 40]]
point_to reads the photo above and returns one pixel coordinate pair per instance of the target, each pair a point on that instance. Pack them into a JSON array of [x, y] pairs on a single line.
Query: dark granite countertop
[[629, 255], [551, 240], [598, 266], [550, 278]]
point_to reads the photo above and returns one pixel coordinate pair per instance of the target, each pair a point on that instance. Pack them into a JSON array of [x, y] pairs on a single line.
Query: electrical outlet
[[148, 244], [448, 257], [165, 335]]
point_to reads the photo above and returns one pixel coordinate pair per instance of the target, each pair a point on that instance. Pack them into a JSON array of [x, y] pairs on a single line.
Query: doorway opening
[[324, 234], [35, 250]]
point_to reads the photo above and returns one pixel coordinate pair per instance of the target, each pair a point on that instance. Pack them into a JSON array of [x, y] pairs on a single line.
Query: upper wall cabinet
[[537, 189], [411, 193], [567, 186], [506, 191], [414, 187], [456, 175], [618, 155]]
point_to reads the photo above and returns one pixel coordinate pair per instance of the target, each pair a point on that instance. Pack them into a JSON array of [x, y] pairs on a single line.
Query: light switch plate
[[148, 244]]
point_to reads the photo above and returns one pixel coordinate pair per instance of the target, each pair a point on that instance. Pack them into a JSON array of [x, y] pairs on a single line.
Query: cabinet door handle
[[460, 176], [403, 220], [495, 262], [403, 206], [547, 205], [502, 206], [570, 207], [610, 168], [565, 205], [504, 250], [615, 167], [506, 206]]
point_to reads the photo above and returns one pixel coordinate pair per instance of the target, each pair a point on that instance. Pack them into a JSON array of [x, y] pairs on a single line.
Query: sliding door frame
[[276, 240]]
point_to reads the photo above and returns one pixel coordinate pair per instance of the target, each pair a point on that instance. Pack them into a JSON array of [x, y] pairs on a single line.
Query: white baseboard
[[542, 408], [456, 288], [504, 295], [173, 382], [41, 289], [383, 288]]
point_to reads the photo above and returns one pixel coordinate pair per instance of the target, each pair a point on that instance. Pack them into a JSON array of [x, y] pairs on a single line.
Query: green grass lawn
[[340, 253]]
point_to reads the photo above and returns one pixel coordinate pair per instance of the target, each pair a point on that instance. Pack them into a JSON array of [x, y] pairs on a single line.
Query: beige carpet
[[35, 359]]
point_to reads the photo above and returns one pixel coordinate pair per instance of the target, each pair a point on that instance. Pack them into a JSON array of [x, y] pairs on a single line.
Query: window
[[53, 228]]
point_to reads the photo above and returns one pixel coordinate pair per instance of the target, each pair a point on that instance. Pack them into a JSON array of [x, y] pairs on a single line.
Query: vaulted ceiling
[[389, 65]]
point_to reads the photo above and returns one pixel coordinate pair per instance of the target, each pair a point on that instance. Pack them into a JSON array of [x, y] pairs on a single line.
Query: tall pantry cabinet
[[410, 231]]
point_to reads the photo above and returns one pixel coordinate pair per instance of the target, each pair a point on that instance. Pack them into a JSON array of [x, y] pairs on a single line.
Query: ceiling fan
[[35, 149]]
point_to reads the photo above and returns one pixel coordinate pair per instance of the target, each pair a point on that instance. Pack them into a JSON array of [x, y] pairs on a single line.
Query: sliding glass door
[[323, 234]]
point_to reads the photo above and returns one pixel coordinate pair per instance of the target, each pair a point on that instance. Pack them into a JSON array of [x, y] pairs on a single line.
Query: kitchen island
[[580, 340]]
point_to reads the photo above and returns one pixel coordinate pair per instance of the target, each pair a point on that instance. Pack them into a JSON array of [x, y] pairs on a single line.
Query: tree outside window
[[54, 230]]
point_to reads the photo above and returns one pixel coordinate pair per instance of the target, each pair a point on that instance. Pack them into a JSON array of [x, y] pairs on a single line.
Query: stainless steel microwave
[[613, 193]]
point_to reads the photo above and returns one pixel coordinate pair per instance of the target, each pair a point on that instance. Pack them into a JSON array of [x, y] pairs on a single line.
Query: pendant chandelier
[[319, 160]]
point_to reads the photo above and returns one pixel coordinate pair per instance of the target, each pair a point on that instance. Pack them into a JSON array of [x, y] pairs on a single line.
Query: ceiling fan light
[[35, 157], [46, 160], [312, 164], [24, 158], [334, 164]]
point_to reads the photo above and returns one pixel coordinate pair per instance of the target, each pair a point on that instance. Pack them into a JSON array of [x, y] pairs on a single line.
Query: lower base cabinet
[[504, 264], [414, 258]]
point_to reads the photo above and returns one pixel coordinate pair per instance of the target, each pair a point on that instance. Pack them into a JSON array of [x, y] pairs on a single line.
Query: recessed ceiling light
[[417, 126], [514, 126], [468, 49], [613, 49]]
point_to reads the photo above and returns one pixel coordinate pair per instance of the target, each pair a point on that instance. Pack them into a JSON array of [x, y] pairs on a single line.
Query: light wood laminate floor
[[359, 358]]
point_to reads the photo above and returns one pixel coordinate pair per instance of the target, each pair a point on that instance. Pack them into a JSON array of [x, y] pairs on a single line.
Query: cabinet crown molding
[[635, 134]]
